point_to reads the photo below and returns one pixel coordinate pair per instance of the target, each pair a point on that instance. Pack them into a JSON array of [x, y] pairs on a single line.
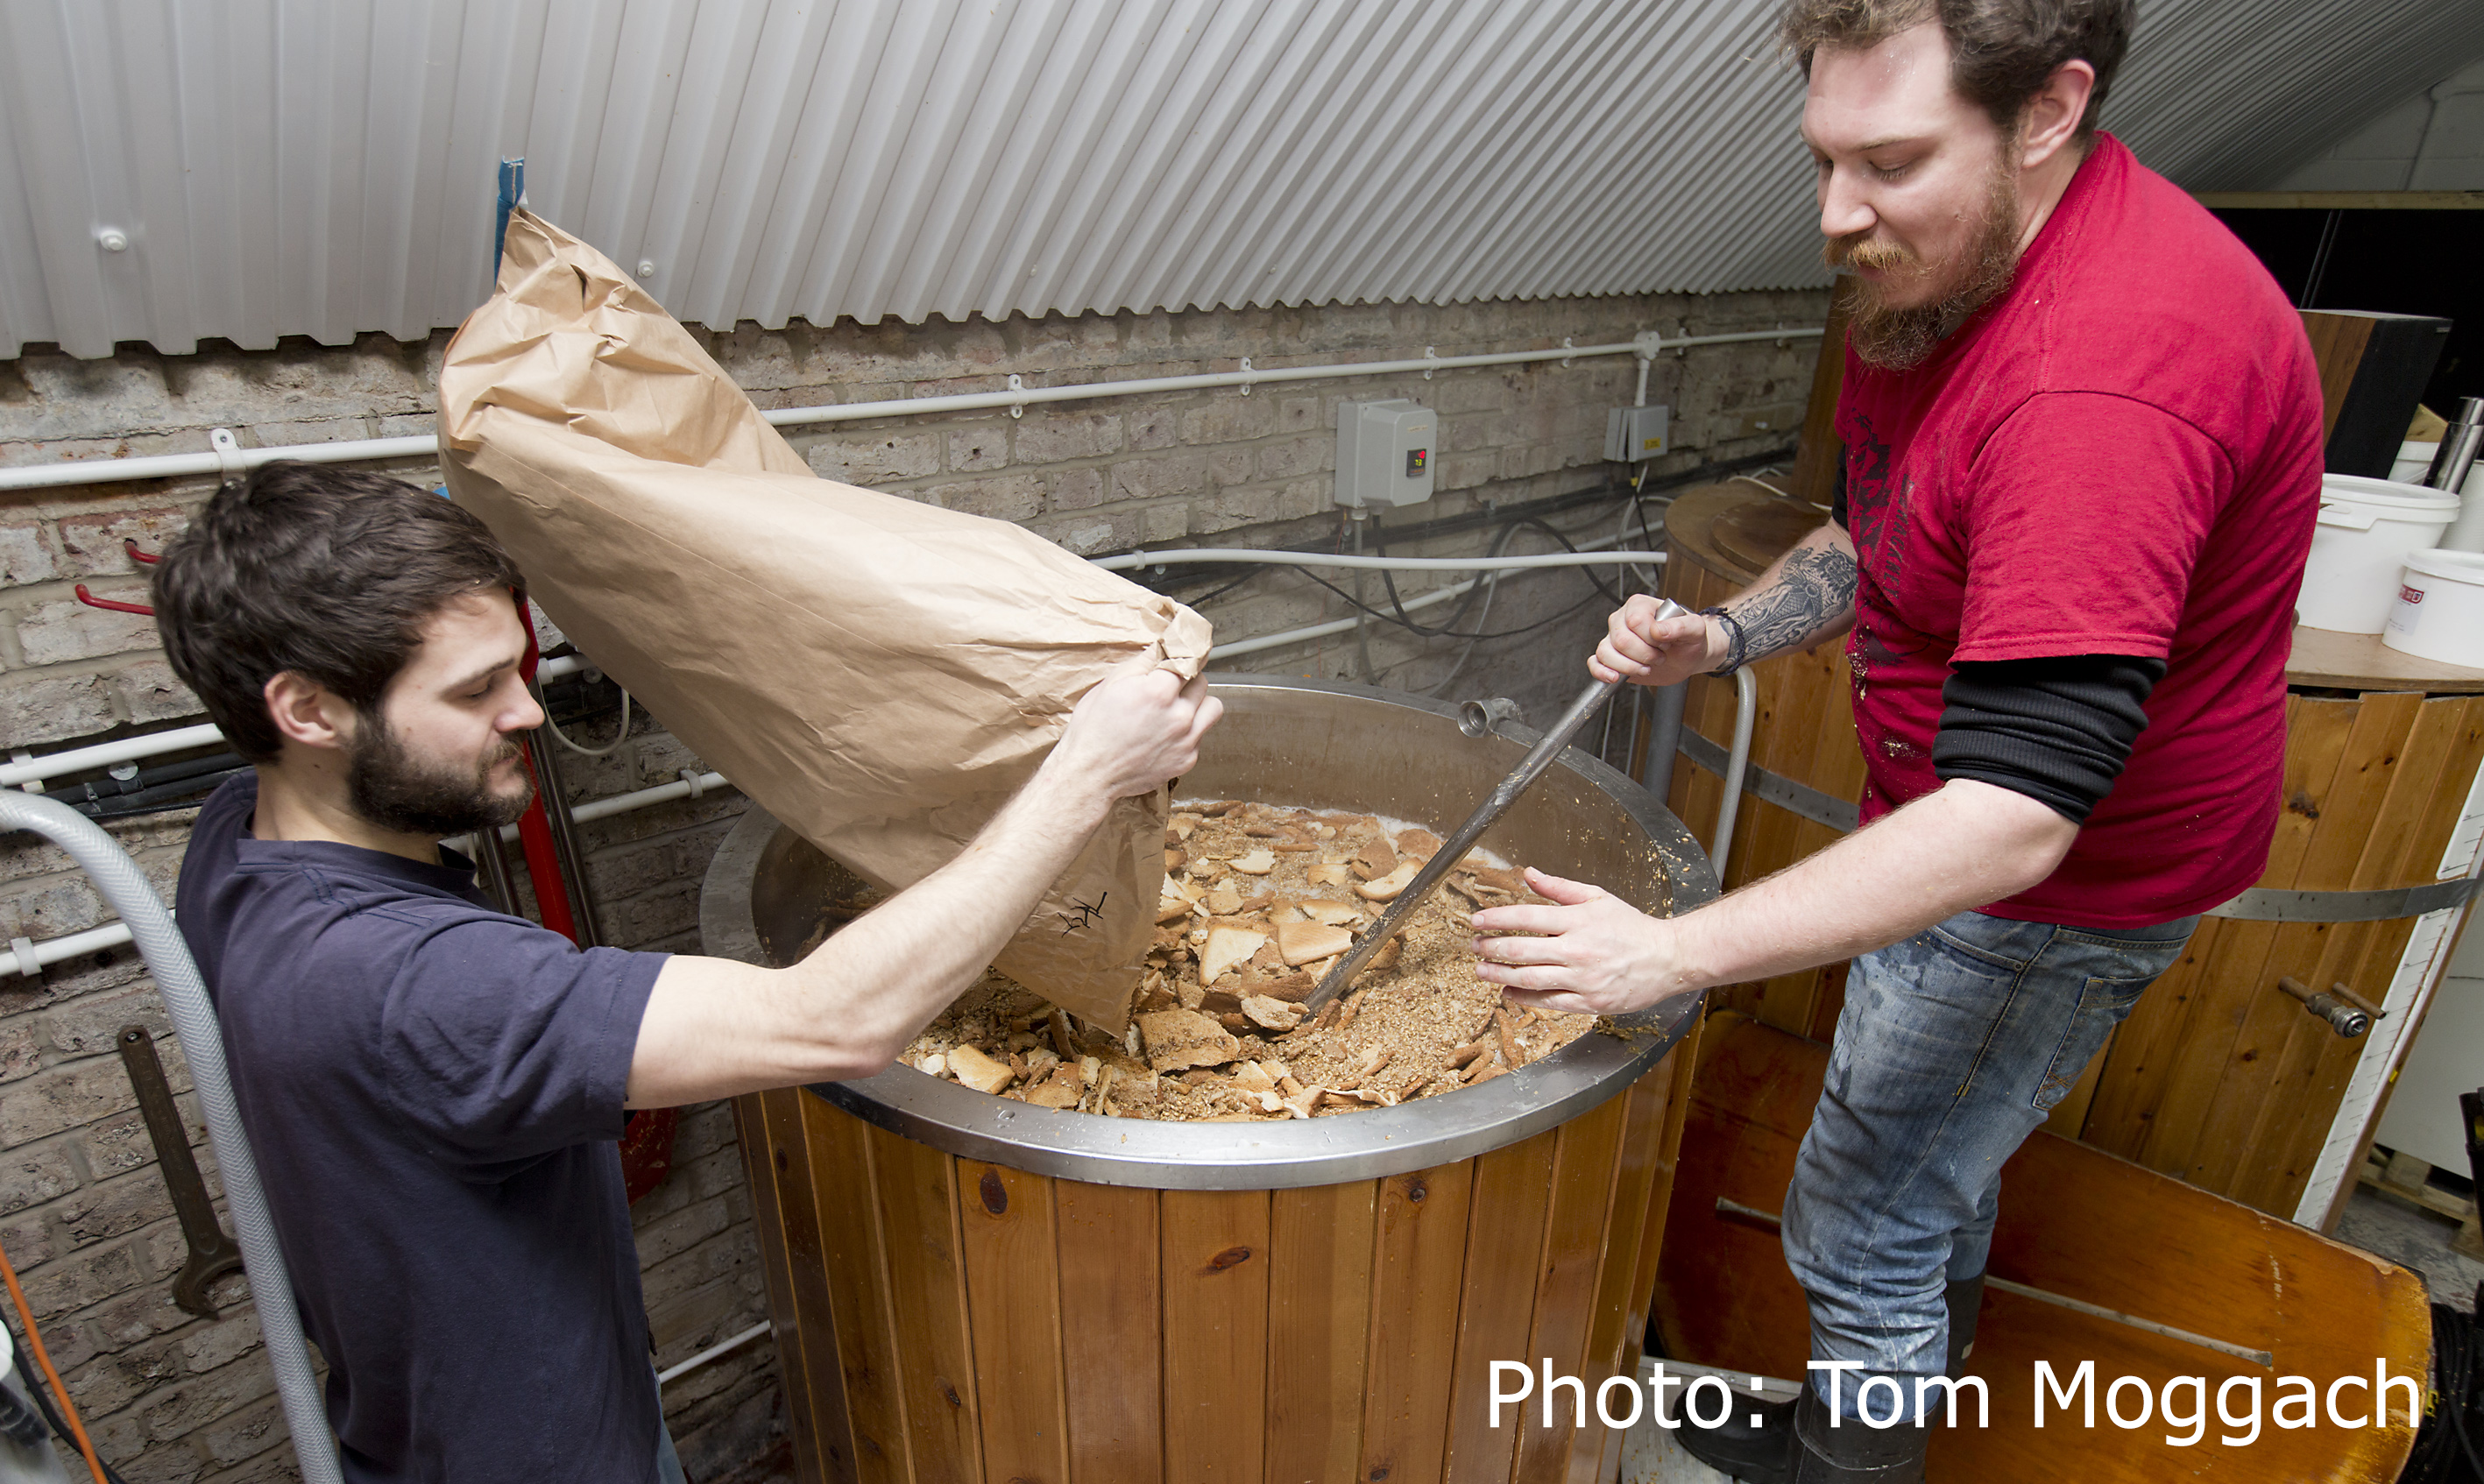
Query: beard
[[1895, 337], [389, 787]]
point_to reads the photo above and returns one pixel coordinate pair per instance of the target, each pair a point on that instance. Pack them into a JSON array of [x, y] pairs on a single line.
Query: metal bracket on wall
[[2275, 905], [1797, 799]]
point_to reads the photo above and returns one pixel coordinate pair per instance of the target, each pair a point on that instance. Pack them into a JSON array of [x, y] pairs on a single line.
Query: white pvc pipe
[[173, 466], [105, 754], [720, 1347], [1585, 556], [129, 749], [167, 466], [27, 958]]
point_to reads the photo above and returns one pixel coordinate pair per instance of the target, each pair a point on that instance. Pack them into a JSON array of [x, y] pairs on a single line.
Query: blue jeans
[[1952, 1047], [668, 1464]]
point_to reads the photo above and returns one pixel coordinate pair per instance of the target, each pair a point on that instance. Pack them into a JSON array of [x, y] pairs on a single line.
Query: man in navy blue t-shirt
[[433, 1089]]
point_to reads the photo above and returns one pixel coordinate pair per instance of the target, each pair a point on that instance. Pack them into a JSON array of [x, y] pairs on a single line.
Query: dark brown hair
[[2000, 51], [325, 571]]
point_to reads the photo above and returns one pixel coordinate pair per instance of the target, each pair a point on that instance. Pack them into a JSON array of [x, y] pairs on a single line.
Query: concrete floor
[[2415, 1239]]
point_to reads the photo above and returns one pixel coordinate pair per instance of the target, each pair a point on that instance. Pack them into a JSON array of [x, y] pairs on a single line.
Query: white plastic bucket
[[2367, 528], [2439, 612]]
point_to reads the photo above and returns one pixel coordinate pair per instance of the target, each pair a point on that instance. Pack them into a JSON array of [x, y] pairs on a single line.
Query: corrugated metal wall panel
[[2226, 96], [324, 167]]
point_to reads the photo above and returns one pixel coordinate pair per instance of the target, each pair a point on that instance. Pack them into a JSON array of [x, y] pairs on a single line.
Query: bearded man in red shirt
[[2082, 461]]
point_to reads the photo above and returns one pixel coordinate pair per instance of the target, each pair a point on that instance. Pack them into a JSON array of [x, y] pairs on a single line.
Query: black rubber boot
[[1762, 1454], [1965, 1301], [1853, 1452]]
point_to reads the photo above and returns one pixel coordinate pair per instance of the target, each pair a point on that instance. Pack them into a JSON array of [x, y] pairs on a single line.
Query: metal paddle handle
[[1455, 847]]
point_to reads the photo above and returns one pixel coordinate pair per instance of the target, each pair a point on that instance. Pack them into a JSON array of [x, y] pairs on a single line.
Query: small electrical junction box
[[1384, 453], [1636, 433]]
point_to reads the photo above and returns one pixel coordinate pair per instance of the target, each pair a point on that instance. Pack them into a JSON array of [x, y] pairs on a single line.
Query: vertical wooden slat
[[1798, 694], [1013, 1264], [1319, 1329], [2199, 1126], [784, 1317], [2183, 1008], [1683, 1065], [1513, 1195], [1817, 453], [1216, 1270], [1673, 1077], [1583, 1168], [2337, 344], [823, 1390], [1113, 1337], [2406, 849], [842, 1195], [1417, 1268], [1612, 1347], [926, 1288]]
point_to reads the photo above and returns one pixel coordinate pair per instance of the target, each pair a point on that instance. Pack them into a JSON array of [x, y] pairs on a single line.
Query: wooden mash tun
[[880, 674]]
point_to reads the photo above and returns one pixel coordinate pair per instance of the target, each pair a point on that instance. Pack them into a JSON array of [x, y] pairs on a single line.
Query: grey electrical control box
[[1636, 433], [1384, 453]]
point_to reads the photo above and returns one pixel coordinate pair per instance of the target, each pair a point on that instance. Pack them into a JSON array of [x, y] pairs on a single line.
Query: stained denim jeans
[[1952, 1047]]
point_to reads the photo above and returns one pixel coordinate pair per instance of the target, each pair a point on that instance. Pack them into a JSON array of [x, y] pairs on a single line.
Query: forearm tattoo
[[1813, 596]]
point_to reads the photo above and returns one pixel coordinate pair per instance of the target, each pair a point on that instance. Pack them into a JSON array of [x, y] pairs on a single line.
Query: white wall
[[2433, 141]]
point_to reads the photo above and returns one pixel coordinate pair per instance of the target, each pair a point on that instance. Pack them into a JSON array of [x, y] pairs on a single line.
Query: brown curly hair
[[2000, 51]]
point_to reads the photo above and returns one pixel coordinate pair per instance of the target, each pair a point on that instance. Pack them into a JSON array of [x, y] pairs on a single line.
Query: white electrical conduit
[[233, 461], [720, 1347], [28, 958], [1591, 555], [28, 768]]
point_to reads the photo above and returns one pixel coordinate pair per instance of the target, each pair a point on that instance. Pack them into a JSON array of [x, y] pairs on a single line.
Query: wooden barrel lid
[[1736, 529], [2330, 661]]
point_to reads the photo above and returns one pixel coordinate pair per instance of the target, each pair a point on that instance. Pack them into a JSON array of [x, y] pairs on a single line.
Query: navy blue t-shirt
[[433, 1091]]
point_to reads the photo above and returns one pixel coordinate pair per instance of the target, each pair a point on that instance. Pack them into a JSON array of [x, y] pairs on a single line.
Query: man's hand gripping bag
[[880, 675]]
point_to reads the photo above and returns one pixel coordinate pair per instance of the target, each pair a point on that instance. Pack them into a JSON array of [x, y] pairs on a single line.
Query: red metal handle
[[94, 602]]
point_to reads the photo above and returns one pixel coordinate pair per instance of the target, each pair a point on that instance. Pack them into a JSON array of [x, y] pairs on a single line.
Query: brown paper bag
[[879, 675]]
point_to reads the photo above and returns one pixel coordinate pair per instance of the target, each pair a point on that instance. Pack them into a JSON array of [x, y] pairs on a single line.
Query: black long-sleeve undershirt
[[2057, 729]]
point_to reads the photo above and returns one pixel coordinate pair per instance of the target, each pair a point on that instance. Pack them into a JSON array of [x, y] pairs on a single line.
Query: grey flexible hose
[[193, 1020]]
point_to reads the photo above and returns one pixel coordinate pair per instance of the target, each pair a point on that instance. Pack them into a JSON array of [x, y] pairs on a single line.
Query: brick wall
[[83, 1213]]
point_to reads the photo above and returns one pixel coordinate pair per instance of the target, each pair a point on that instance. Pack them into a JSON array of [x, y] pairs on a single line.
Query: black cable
[[179, 794], [1466, 604], [1430, 632], [1390, 581], [1589, 573], [1612, 487]]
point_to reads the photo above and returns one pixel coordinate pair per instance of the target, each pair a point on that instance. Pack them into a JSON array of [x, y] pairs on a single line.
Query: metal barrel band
[[1797, 798], [2278, 904]]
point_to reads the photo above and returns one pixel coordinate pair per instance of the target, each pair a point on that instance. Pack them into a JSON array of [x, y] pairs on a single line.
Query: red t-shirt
[[2118, 455]]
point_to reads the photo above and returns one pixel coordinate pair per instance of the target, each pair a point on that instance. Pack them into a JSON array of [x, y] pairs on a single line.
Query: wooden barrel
[[966, 1289], [947, 1319], [1721, 536], [2221, 1079]]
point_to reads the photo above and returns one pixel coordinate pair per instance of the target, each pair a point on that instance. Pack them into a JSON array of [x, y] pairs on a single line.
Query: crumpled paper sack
[[879, 675]]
